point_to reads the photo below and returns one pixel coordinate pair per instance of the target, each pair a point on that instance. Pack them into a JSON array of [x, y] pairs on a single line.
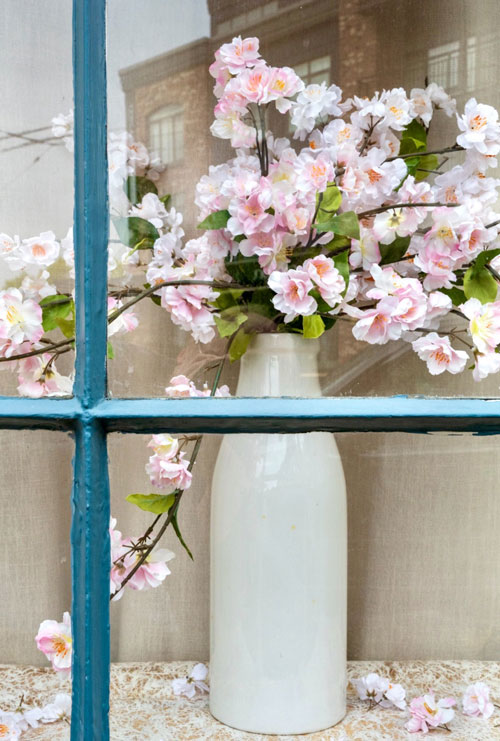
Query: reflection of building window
[[443, 65], [166, 133], [315, 71], [249, 18]]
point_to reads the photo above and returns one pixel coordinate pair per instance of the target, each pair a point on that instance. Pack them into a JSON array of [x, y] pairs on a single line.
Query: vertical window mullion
[[90, 500]]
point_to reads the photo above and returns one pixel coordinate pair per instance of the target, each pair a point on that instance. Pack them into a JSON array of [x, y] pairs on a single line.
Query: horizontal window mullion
[[293, 415], [50, 414]]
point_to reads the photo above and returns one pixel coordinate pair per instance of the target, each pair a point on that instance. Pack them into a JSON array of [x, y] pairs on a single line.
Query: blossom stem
[[453, 148], [41, 350], [381, 209], [494, 272]]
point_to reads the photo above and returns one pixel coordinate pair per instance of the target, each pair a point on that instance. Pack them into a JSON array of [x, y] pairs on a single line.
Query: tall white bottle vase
[[278, 561]]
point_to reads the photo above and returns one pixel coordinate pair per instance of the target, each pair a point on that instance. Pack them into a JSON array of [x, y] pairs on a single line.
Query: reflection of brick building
[[361, 45]]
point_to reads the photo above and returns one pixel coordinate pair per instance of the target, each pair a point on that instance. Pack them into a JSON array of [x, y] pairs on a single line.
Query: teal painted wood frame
[[89, 416]]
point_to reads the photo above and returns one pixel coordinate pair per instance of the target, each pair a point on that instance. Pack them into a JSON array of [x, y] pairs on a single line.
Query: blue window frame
[[89, 415]]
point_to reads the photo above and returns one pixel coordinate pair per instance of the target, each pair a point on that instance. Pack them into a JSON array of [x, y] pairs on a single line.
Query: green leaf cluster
[[414, 139], [137, 233]]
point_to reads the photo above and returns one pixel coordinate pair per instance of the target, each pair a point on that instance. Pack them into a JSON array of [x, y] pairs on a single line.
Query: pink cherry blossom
[[292, 293], [480, 127], [54, 640], [126, 322], [380, 324], [427, 713], [250, 216], [484, 324], [149, 575], [326, 277], [270, 247], [169, 473], [439, 354], [42, 250], [20, 320], [188, 307], [476, 701], [239, 54], [485, 365], [38, 376]]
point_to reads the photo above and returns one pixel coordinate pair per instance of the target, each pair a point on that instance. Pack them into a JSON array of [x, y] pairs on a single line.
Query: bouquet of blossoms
[[355, 221]]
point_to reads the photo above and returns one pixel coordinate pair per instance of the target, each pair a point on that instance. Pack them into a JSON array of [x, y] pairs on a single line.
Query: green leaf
[[111, 352], [346, 224], [479, 283], [394, 251], [239, 345], [217, 220], [230, 320], [155, 503], [313, 326], [227, 297], [329, 201], [429, 162], [55, 307], [413, 138], [456, 294], [485, 257], [177, 531], [67, 327], [166, 199], [135, 232], [136, 187], [342, 264]]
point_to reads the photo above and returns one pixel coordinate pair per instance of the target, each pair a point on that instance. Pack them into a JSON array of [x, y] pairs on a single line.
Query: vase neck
[[280, 365]]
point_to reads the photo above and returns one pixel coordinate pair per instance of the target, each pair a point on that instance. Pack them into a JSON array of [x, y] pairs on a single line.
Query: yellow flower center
[[478, 122]]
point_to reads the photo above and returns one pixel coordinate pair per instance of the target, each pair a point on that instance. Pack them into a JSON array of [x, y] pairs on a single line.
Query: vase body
[[278, 561]]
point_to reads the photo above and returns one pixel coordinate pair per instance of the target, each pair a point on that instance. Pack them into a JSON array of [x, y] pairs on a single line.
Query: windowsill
[[144, 707]]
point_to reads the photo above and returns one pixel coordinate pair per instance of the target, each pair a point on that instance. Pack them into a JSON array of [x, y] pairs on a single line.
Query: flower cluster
[[356, 219], [426, 712], [14, 723]]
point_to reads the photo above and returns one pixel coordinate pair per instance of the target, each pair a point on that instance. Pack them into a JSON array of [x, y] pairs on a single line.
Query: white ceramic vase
[[278, 561]]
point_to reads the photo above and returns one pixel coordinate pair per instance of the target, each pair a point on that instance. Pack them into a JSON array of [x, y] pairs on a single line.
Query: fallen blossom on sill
[[428, 713], [195, 681], [476, 701], [380, 691]]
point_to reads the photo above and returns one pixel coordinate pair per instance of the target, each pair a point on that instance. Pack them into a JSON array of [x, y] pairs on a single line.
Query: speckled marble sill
[[144, 708]]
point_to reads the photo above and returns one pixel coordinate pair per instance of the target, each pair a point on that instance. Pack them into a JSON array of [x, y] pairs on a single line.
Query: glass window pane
[[36, 209], [35, 574], [423, 567], [161, 93]]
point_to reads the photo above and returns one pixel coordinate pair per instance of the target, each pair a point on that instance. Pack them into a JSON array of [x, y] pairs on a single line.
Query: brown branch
[[172, 512], [409, 155], [381, 209]]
